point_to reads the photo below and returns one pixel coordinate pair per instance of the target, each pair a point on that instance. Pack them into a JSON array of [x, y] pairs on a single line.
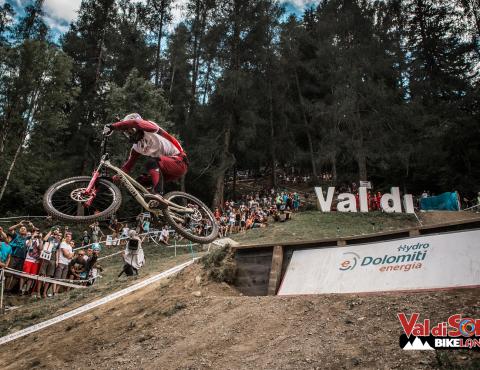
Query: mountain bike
[[84, 199]]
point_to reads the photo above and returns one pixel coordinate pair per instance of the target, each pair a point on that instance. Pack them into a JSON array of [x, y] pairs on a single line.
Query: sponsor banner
[[426, 262]]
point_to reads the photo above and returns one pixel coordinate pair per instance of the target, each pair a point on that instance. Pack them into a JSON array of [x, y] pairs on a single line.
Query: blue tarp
[[442, 202]]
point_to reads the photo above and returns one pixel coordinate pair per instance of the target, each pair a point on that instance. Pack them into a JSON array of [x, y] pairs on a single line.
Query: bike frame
[[133, 186]]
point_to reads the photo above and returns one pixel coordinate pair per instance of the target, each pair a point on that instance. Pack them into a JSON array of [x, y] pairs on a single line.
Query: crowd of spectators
[[52, 253], [256, 210]]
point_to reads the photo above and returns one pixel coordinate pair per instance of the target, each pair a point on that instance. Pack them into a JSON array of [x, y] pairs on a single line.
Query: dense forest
[[386, 91]]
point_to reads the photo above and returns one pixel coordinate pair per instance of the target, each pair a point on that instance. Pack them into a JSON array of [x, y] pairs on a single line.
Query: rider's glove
[[107, 130]]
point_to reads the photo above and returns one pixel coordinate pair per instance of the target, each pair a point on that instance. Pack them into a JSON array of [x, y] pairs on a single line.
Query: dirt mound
[[191, 321], [441, 217]]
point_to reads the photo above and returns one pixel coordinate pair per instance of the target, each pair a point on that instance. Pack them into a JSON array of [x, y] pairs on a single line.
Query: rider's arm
[[127, 166], [140, 124]]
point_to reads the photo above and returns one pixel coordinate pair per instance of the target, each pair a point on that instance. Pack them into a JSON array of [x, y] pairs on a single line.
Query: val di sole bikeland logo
[[456, 333]]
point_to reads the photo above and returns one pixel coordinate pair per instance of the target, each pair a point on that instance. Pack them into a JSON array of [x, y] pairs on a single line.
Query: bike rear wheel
[[64, 200], [198, 226]]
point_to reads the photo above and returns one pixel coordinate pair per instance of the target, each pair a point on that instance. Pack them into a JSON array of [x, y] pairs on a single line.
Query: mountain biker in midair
[[168, 161]]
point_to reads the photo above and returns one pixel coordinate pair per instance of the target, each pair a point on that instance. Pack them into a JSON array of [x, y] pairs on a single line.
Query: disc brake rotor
[[79, 195]]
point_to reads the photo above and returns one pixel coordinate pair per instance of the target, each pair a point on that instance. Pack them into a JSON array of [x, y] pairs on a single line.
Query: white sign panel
[[426, 262]]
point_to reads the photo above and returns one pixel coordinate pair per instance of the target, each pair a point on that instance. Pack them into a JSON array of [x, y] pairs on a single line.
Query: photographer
[[133, 255], [19, 250], [48, 257]]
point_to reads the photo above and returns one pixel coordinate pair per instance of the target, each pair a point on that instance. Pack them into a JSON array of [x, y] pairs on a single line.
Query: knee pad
[[151, 164]]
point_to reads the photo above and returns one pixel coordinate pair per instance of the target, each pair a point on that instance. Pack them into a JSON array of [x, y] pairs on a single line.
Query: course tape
[[46, 279], [94, 304]]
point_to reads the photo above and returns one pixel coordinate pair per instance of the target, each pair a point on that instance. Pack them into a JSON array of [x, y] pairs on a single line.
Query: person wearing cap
[[168, 161], [133, 256]]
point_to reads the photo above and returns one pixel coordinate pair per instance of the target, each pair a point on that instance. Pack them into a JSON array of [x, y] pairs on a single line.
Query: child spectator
[[85, 238]]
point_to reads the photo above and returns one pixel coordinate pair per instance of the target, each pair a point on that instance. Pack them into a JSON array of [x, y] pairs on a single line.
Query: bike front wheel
[[66, 200], [197, 225]]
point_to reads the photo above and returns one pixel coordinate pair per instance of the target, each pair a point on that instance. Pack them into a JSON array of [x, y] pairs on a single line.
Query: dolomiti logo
[[409, 257]]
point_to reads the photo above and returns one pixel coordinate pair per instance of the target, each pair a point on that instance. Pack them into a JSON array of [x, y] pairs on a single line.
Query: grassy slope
[[316, 225]]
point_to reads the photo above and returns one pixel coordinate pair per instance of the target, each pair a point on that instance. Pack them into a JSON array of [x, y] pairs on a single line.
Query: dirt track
[[165, 326]]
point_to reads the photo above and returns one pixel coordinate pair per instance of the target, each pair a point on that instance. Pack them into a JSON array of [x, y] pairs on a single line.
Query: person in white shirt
[[165, 235], [64, 256]]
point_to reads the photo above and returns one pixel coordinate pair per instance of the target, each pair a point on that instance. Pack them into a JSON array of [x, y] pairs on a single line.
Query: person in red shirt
[[168, 160], [378, 199]]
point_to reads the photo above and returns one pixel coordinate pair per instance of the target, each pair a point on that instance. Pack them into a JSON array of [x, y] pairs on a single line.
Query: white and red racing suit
[[169, 156]]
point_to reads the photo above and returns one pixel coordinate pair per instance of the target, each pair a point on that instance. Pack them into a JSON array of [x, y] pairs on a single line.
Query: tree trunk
[[234, 184], [3, 139], [273, 159], [220, 182], [159, 47], [333, 161], [307, 128], [171, 82], [198, 27], [12, 165], [207, 83], [362, 166]]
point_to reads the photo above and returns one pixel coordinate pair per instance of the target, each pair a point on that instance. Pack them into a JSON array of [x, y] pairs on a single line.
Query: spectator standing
[[85, 238], [32, 263], [133, 256], [93, 266], [96, 231], [5, 251], [48, 258], [64, 256], [165, 235], [19, 250], [296, 202]]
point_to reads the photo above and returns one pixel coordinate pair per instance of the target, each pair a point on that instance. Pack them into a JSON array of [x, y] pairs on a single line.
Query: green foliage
[[138, 95], [386, 91]]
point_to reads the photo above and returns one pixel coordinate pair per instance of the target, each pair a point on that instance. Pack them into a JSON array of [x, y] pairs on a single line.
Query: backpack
[[133, 244]]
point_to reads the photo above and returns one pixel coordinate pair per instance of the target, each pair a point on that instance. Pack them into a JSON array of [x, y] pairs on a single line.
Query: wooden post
[[414, 232], [276, 270]]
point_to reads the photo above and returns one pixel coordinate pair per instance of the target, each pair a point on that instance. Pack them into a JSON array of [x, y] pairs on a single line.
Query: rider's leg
[[156, 175]]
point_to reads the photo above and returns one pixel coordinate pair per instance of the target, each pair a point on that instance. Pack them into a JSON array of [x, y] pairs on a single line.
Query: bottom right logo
[[457, 332]]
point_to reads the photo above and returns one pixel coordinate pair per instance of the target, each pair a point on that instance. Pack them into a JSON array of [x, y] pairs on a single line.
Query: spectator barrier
[[64, 282]]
